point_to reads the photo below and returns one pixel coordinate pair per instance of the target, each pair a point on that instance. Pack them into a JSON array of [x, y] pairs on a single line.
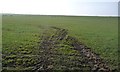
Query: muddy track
[[85, 60], [47, 44], [93, 59]]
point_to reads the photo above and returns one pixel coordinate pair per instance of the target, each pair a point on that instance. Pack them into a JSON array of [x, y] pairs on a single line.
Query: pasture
[[21, 36]]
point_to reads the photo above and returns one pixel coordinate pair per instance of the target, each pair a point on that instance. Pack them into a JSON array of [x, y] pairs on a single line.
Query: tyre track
[[48, 43], [94, 60]]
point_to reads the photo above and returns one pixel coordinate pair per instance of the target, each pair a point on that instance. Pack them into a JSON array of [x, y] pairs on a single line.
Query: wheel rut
[[59, 51]]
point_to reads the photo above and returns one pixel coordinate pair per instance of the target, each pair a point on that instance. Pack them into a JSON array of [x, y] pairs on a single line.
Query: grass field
[[23, 32]]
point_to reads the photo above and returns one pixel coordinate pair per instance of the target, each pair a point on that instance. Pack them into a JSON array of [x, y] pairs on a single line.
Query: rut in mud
[[58, 51]]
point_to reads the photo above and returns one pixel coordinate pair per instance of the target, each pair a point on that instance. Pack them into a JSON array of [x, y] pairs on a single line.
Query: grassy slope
[[98, 33]]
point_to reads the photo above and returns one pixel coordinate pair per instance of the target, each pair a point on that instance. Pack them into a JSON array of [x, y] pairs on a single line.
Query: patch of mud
[[74, 55]]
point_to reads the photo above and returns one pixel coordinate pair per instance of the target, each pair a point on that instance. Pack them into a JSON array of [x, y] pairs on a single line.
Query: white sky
[[60, 7]]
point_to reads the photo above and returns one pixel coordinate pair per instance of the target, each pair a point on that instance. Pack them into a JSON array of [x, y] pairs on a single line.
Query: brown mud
[[86, 59]]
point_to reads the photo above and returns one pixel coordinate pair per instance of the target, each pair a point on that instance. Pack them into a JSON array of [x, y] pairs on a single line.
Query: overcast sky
[[61, 7]]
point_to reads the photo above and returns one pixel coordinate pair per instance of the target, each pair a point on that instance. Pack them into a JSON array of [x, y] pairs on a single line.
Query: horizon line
[[65, 15]]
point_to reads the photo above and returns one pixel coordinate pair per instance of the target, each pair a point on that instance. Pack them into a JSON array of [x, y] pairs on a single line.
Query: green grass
[[98, 33]]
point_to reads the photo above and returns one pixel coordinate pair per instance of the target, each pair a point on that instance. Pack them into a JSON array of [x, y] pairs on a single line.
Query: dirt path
[[51, 58]]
